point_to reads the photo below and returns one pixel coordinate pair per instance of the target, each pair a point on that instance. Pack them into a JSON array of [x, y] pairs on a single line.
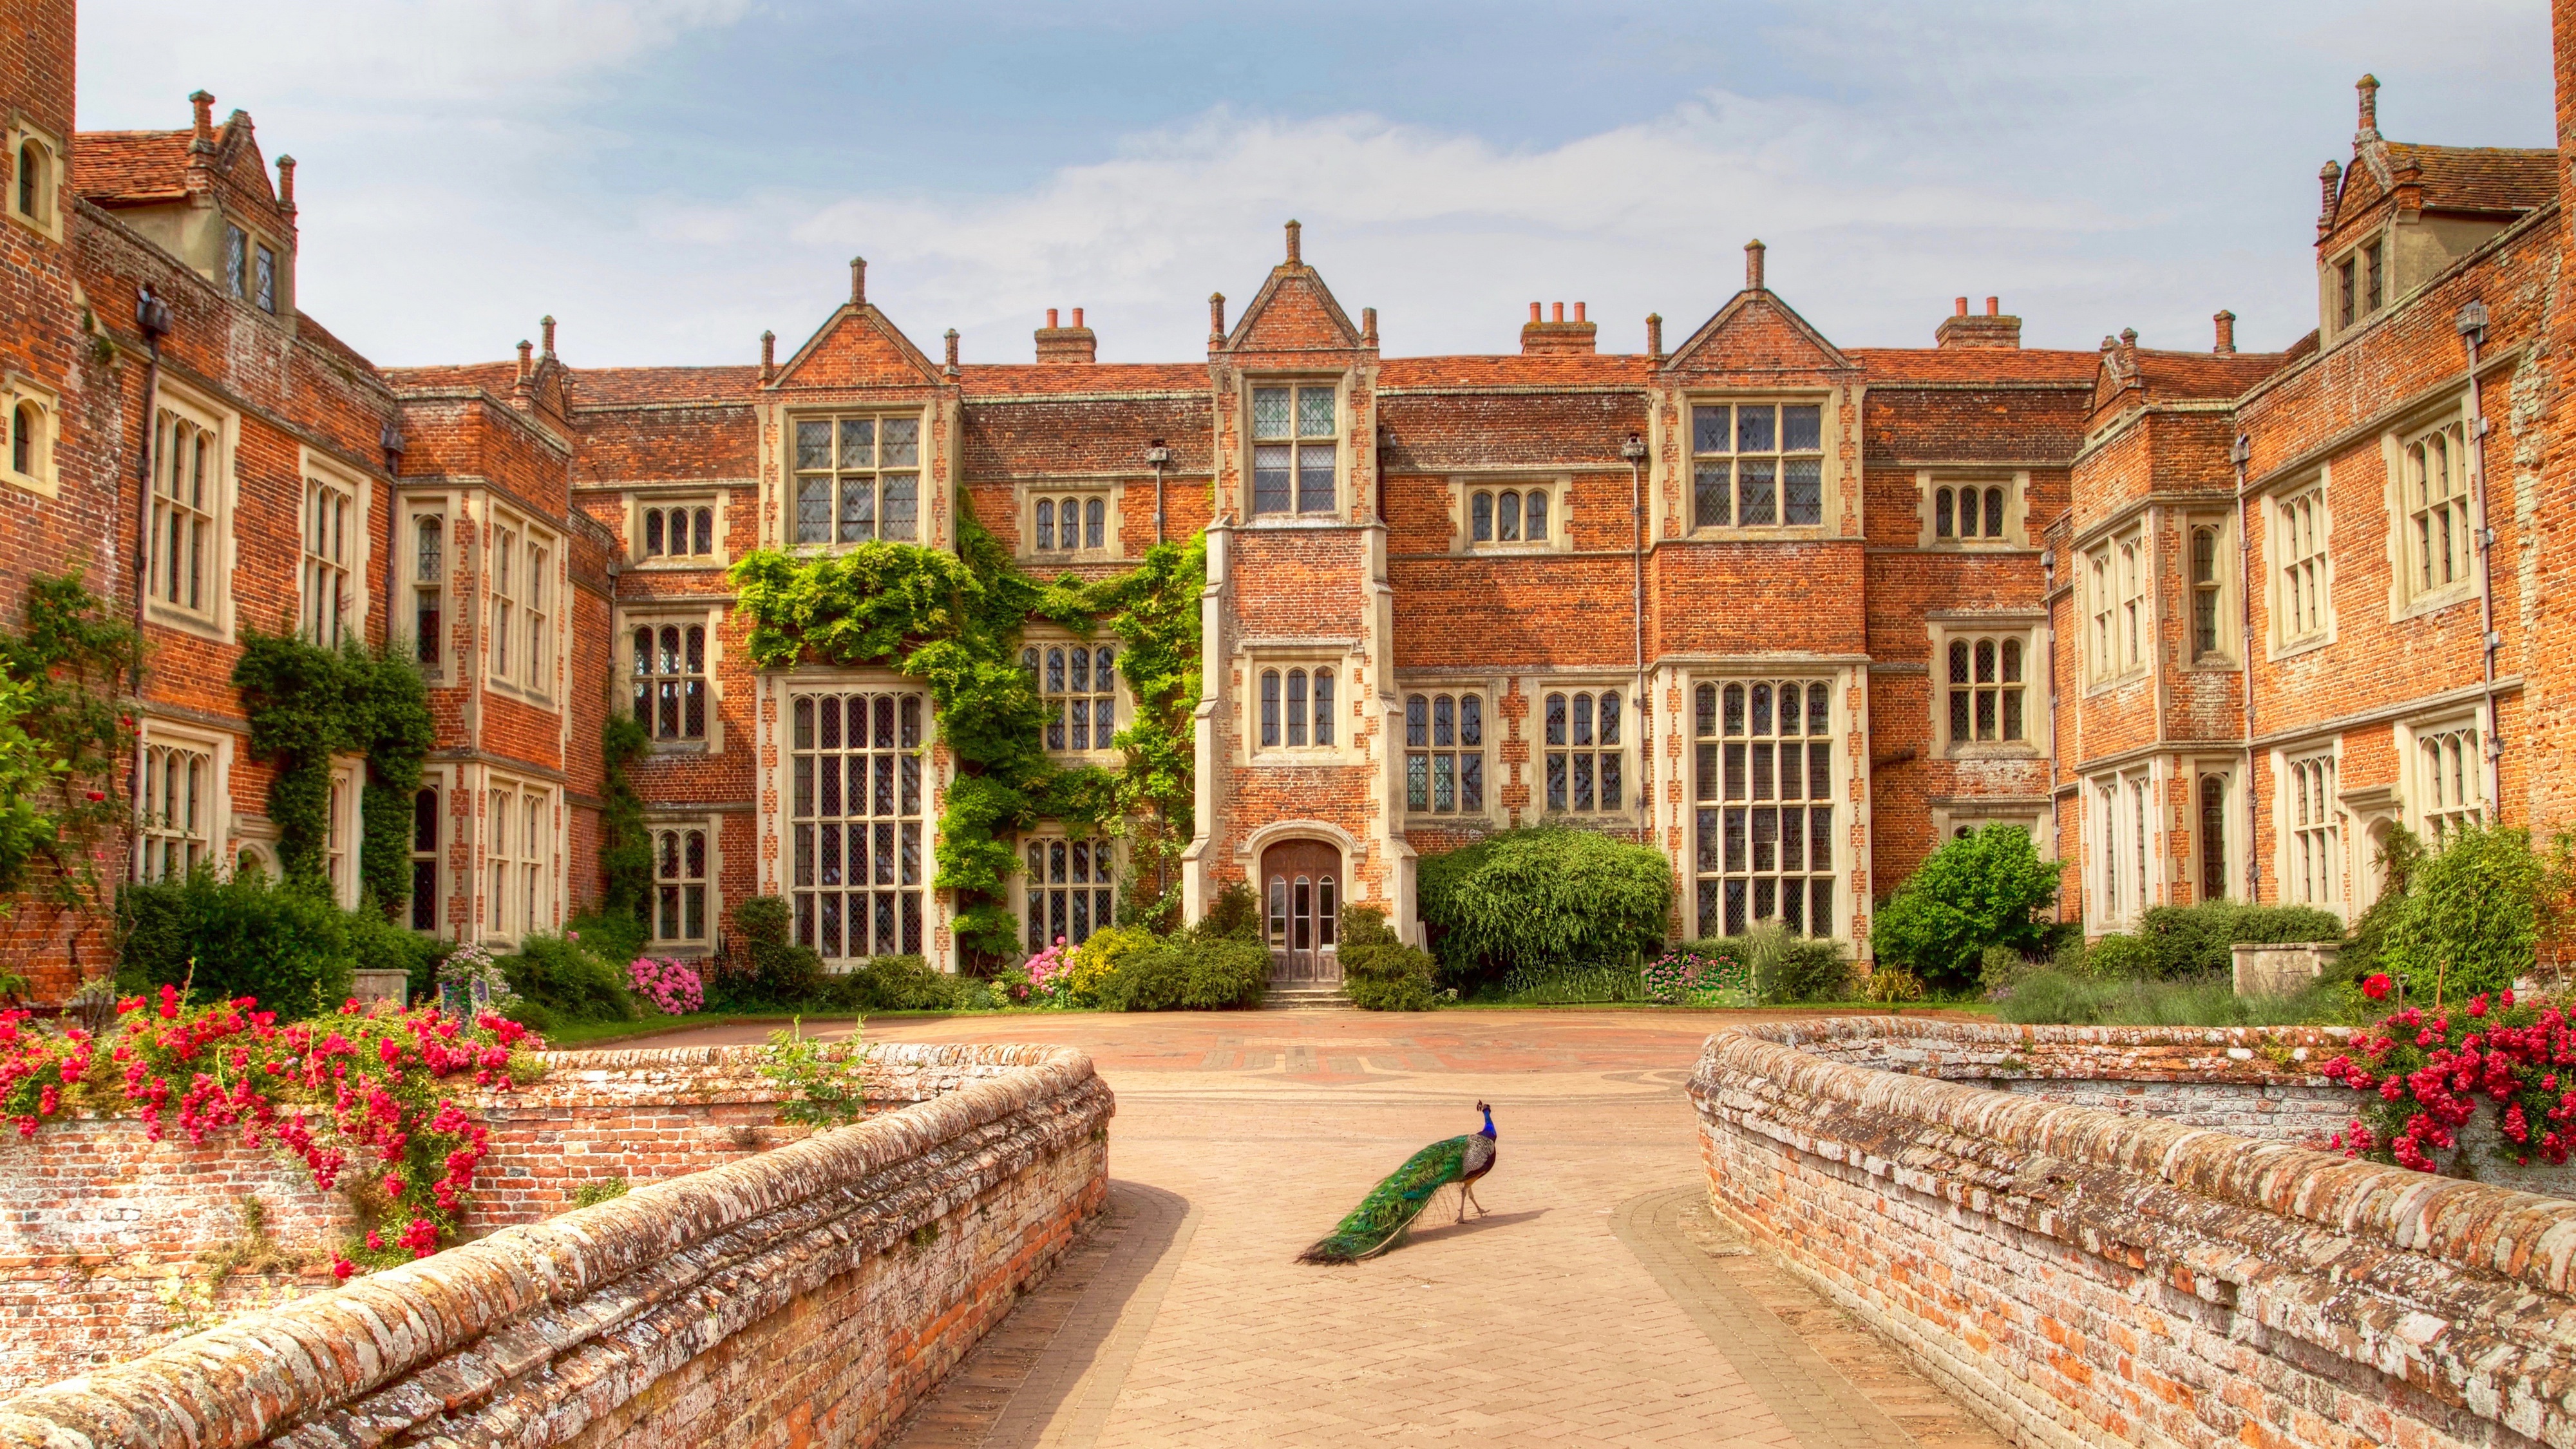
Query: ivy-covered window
[[857, 478], [1071, 890], [330, 554], [1296, 708], [1079, 684], [1583, 752], [1294, 450], [857, 822], [1757, 465], [340, 831], [177, 808], [670, 666], [427, 835], [680, 886], [1764, 791], [1444, 753]]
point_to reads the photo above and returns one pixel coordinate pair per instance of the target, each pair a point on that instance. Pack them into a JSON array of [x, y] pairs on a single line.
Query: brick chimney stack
[[1295, 248], [1994, 329], [1216, 319], [2327, 176], [1753, 265], [950, 366], [2226, 334], [1067, 344], [286, 184], [1556, 336], [202, 138], [546, 330], [1655, 336], [858, 281], [2367, 88], [768, 358]]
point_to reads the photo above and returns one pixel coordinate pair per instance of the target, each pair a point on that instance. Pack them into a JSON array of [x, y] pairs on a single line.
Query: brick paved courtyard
[[1595, 1305]]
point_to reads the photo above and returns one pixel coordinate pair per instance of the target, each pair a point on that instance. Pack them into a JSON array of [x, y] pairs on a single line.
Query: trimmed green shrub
[[1544, 897], [1180, 974], [568, 983], [910, 983], [1235, 915], [1379, 971], [762, 972], [2196, 940], [286, 944], [2120, 957], [1985, 888], [2472, 917]]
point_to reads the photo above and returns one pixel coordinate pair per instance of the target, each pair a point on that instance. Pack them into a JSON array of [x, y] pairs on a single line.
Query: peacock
[[1382, 1217]]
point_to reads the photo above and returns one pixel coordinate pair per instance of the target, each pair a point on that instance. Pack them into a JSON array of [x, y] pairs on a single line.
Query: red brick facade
[[1790, 610]]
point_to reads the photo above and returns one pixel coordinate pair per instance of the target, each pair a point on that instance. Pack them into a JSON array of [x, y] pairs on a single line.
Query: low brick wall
[[768, 1285], [2090, 1277]]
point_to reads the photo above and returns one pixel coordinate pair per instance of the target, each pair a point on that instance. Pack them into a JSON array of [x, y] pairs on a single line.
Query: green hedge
[[560, 981], [1544, 897], [2196, 940], [287, 945], [1379, 971], [1183, 973]]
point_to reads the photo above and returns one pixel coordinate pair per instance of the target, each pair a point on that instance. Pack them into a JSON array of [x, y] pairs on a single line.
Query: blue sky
[[669, 177]]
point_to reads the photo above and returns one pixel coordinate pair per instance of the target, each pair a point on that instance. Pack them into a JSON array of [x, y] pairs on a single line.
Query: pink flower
[[342, 1268], [2377, 987]]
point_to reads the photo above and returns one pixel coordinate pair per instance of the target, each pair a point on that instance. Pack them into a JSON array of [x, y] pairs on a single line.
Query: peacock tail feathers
[[1381, 1218]]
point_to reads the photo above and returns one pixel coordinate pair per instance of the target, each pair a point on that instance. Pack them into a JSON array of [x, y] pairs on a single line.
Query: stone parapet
[[807, 1293], [2083, 1276]]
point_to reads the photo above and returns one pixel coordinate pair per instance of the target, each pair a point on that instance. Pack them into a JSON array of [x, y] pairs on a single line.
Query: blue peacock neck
[[1488, 1131]]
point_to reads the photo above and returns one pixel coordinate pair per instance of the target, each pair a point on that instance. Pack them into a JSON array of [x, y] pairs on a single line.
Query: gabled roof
[[857, 346], [2499, 181], [1757, 331], [1293, 312]]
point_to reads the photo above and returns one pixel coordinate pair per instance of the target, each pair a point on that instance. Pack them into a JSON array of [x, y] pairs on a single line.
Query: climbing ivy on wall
[[67, 668], [953, 621], [308, 704], [625, 847]]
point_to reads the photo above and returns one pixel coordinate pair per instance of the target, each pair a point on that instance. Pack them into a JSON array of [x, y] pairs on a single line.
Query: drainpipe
[[2472, 322], [1634, 450], [2048, 607], [1160, 457], [152, 319], [2241, 453]]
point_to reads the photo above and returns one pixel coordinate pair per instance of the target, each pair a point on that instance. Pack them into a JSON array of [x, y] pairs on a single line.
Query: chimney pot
[[1964, 329], [1050, 316], [858, 281], [1753, 265], [1994, 306], [2367, 88], [1555, 336], [1655, 335], [952, 352], [1294, 257], [286, 182], [2226, 333], [1578, 311], [1077, 316], [1536, 314], [546, 326], [1057, 343], [1958, 306], [204, 130]]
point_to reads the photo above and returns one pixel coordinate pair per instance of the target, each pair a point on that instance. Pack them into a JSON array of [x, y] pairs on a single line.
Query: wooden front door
[[1301, 897]]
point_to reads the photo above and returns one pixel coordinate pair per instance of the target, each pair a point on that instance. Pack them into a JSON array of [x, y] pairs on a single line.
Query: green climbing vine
[[63, 732], [953, 621], [625, 847], [308, 704]]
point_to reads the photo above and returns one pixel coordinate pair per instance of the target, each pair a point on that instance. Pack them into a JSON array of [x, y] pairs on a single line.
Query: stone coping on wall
[[2084, 1274], [465, 1339]]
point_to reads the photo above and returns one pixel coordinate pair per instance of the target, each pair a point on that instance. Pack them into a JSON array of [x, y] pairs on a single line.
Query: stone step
[[1305, 997]]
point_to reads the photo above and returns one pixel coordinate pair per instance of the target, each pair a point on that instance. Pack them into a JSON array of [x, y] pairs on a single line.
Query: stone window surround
[[1042, 638], [927, 485], [2276, 562], [1107, 852], [1027, 493], [2032, 627], [1489, 691], [181, 401], [2286, 868], [2405, 600], [1951, 814], [2231, 605], [2232, 847], [437, 780], [690, 498], [218, 746], [1558, 486], [1340, 383], [2016, 485], [343, 834], [495, 918], [548, 599], [18, 391], [21, 132], [1832, 476], [1531, 731], [1841, 723], [777, 691], [320, 468], [1251, 658], [414, 508], [2104, 593], [2414, 790], [681, 613], [2332, 326], [2111, 847], [655, 823]]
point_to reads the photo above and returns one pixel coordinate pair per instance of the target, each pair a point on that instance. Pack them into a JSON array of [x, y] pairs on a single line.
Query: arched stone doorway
[[1301, 900]]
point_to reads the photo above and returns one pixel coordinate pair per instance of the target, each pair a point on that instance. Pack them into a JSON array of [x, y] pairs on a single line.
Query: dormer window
[[2361, 283], [857, 479], [1747, 468]]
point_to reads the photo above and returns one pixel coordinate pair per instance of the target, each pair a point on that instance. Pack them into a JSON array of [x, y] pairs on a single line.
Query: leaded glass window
[[1294, 450], [1070, 891], [857, 479], [1444, 753], [1583, 753], [1765, 794], [1757, 465], [858, 821], [1078, 684]]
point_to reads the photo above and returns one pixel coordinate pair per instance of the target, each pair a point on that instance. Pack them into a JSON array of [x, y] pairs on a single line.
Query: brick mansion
[[2209, 622]]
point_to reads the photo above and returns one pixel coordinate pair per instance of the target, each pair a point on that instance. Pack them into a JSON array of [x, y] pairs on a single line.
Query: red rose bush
[[2425, 1074]]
